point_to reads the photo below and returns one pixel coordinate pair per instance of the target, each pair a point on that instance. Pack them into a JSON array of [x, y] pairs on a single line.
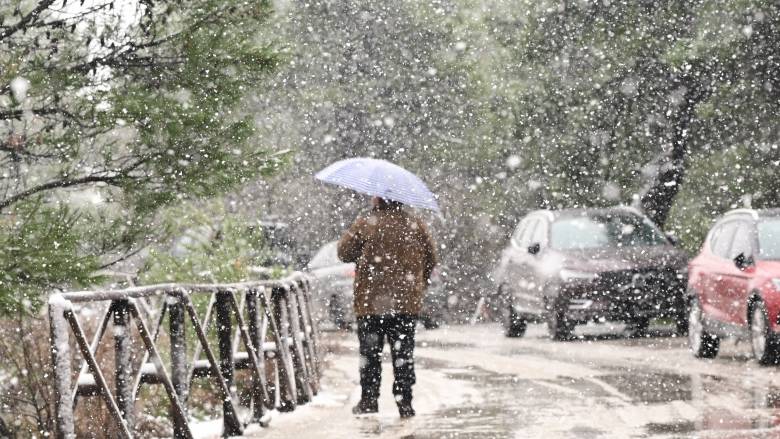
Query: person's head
[[382, 203]]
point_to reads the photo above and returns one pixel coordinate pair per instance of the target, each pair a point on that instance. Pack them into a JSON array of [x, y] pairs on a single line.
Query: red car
[[734, 285]]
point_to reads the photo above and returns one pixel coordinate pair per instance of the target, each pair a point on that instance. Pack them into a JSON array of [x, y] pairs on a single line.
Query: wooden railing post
[[179, 371], [307, 329], [298, 357], [60, 360], [226, 362], [285, 370], [314, 336], [123, 367], [258, 410]]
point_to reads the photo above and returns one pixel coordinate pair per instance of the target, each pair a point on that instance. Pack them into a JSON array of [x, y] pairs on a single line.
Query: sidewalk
[[329, 415]]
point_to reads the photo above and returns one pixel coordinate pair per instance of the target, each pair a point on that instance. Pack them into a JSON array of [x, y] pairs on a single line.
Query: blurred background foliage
[[209, 245], [512, 105]]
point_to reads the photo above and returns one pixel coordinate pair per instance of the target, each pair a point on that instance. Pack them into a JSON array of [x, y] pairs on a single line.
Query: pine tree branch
[[73, 18], [121, 55], [17, 114], [113, 179], [123, 257], [59, 184], [16, 152], [26, 20], [52, 111]]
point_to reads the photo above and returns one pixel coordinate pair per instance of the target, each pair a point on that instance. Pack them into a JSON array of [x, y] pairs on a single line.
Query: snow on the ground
[[474, 382], [207, 429], [329, 414]]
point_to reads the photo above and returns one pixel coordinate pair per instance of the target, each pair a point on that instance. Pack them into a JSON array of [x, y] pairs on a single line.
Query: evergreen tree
[[110, 111]]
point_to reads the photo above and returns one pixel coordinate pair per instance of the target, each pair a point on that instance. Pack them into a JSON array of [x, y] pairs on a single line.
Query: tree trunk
[[4, 431], [658, 199]]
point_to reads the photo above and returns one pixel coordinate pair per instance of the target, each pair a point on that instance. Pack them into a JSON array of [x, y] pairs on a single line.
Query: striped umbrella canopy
[[380, 178]]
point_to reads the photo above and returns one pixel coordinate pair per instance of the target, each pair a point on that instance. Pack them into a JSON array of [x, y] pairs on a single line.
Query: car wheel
[[430, 323], [681, 318], [702, 343], [638, 326], [681, 324], [558, 325], [514, 325], [763, 341]]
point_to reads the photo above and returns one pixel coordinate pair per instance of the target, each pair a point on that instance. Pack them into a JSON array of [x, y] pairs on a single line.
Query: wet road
[[475, 383]]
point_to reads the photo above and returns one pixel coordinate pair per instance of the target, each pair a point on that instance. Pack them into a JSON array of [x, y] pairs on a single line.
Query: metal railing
[[273, 325]]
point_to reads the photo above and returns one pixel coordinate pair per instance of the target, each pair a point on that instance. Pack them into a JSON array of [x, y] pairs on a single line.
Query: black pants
[[399, 331]]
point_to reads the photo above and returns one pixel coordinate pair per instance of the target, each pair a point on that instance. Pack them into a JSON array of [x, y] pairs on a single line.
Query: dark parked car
[[568, 267], [735, 285]]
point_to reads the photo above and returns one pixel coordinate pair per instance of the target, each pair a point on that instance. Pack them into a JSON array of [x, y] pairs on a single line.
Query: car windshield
[[607, 230], [326, 257], [769, 239]]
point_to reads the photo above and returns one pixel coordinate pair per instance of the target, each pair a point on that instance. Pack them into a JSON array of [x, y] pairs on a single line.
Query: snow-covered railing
[[273, 324]]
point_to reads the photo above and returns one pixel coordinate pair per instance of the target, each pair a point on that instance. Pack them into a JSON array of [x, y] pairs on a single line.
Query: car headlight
[[573, 275], [776, 283]]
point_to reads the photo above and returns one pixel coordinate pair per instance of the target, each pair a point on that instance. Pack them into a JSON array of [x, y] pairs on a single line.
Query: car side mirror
[[743, 262], [534, 248]]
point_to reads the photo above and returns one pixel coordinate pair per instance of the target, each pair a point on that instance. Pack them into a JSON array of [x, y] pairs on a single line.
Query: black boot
[[364, 407], [405, 410], [405, 405]]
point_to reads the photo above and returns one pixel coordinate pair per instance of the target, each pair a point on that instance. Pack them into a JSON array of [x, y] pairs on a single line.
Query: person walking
[[394, 256]]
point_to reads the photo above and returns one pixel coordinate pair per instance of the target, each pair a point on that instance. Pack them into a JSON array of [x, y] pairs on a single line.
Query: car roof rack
[[629, 208], [744, 211], [551, 213]]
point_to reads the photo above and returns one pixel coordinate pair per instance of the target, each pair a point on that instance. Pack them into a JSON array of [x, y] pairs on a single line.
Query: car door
[[535, 276], [715, 301], [735, 280], [522, 276], [505, 270]]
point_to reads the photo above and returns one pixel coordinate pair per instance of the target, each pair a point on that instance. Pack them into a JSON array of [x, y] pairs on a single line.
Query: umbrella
[[380, 178]]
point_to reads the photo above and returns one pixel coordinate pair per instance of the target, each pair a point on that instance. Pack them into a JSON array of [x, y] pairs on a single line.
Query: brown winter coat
[[394, 256]]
